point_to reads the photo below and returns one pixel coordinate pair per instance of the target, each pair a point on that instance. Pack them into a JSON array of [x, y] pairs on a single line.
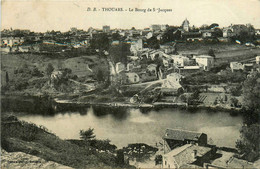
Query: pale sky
[[43, 15]]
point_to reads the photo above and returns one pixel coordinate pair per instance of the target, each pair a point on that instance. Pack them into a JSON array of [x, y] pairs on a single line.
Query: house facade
[[205, 61], [106, 29], [236, 66], [136, 46], [257, 59], [11, 41]]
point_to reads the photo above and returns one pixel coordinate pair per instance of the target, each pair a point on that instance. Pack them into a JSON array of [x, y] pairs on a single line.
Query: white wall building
[[180, 60], [120, 67], [257, 58], [205, 61]]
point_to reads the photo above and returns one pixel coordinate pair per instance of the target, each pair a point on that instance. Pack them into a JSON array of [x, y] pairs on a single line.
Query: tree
[[171, 34], [119, 53], [218, 32], [153, 43], [214, 25], [116, 36], [49, 69], [100, 42], [248, 144], [100, 75], [87, 134], [251, 97]]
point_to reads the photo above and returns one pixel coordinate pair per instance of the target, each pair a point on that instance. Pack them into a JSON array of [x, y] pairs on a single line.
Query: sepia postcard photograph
[[95, 84]]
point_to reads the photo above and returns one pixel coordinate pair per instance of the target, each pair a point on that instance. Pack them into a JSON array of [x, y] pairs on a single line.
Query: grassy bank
[[26, 137]]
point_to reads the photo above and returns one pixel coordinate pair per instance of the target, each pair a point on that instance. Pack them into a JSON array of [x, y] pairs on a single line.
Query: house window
[[135, 78], [165, 162]]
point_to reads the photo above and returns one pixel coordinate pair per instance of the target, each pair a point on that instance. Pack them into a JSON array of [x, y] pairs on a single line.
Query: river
[[135, 126]]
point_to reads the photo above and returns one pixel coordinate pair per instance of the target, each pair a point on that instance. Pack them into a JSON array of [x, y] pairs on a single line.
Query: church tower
[[185, 25]]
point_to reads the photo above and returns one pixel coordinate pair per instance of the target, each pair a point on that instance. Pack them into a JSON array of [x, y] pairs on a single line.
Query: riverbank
[[53, 103], [145, 105]]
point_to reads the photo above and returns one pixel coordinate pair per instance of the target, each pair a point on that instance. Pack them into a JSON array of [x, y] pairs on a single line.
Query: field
[[224, 52], [80, 66]]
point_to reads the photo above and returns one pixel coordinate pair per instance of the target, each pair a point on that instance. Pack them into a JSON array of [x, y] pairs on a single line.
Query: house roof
[[227, 160], [204, 56], [184, 155], [191, 67], [186, 22], [191, 33], [177, 134]]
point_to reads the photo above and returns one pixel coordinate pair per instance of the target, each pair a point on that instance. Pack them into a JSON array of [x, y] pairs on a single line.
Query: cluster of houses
[[77, 38], [188, 149], [152, 64], [251, 65]]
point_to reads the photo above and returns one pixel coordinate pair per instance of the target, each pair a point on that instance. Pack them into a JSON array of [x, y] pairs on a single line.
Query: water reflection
[[120, 113], [125, 126]]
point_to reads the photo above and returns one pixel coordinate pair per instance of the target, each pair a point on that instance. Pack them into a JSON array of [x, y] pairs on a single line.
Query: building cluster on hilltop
[[77, 38]]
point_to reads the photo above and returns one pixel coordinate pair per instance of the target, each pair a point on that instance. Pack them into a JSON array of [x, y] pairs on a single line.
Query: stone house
[[175, 137], [187, 156]]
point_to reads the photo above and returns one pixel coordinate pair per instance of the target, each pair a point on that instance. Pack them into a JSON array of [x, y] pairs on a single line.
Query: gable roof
[[227, 160], [184, 155], [177, 134]]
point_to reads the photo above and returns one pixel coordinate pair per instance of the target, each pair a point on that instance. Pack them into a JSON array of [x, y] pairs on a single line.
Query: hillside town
[[163, 66]]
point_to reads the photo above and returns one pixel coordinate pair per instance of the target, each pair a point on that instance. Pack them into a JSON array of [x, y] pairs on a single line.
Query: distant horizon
[[111, 28], [48, 15]]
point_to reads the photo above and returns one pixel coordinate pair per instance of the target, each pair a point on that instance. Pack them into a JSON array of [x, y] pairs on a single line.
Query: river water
[[135, 126]]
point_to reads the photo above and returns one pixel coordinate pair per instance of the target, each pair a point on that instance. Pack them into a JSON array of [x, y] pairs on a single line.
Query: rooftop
[[177, 134], [184, 155], [204, 56], [228, 161]]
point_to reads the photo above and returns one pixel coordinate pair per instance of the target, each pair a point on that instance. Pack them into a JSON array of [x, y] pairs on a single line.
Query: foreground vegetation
[[21, 136]]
